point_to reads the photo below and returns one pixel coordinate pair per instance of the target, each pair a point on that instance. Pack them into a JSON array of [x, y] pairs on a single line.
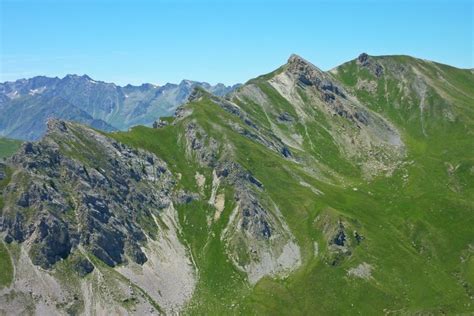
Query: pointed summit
[[297, 64], [300, 61], [367, 61], [305, 72], [294, 58], [363, 58]]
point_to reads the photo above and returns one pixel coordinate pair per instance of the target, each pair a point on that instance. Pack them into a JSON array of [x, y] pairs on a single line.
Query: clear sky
[[221, 41]]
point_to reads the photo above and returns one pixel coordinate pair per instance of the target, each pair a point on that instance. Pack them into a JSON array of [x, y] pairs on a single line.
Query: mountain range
[[26, 104], [300, 192]]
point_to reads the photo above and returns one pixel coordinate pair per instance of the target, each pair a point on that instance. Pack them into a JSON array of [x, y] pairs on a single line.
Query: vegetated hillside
[[27, 104], [302, 192], [8, 147]]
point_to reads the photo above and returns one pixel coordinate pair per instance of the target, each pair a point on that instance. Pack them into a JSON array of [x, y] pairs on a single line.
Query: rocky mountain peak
[[363, 58], [306, 72], [54, 125], [72, 77], [300, 175], [300, 63], [294, 58]]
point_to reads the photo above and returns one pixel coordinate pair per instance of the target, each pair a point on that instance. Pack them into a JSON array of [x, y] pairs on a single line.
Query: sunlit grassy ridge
[[417, 223]]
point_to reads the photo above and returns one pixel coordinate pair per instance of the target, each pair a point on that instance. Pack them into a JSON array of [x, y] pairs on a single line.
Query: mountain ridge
[[301, 191], [105, 105]]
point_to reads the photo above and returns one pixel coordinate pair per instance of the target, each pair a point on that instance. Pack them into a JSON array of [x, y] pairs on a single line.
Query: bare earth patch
[[363, 271], [219, 204]]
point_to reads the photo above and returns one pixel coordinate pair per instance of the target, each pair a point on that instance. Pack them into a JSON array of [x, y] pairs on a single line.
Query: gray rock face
[[257, 239], [200, 146], [310, 75], [367, 62], [82, 266], [358, 131], [249, 128], [3, 171], [341, 236], [99, 205], [331, 93], [160, 123]]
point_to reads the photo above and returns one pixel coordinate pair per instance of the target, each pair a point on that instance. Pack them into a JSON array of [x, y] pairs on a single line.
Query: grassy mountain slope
[[416, 223], [8, 147], [310, 192]]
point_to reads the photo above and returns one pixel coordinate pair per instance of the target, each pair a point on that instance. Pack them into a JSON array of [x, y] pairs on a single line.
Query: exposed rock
[[285, 117], [336, 230], [310, 75], [169, 276], [100, 202], [183, 197], [363, 271], [200, 180], [363, 58], [160, 123], [373, 66], [198, 145], [51, 241], [196, 94], [312, 92], [78, 193], [234, 174], [269, 141], [258, 240], [219, 204], [3, 171], [82, 265]]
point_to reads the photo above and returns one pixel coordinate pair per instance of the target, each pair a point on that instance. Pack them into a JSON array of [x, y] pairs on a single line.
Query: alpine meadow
[[302, 191]]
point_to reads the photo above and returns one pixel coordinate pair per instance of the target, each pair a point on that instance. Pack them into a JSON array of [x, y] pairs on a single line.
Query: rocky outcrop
[[309, 75], [79, 188], [81, 197], [3, 171], [361, 134], [257, 239], [160, 123], [340, 235], [200, 146], [370, 64]]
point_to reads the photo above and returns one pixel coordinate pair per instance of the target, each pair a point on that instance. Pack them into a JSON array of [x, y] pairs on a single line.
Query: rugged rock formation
[[94, 203], [257, 239], [77, 194]]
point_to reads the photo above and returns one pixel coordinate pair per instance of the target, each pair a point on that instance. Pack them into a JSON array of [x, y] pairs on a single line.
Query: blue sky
[[221, 41]]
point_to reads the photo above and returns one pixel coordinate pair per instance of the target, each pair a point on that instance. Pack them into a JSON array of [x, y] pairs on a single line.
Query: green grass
[[417, 223], [6, 270], [408, 227], [8, 147]]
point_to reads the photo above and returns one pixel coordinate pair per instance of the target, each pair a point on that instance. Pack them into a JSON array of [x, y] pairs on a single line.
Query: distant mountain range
[[27, 104]]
